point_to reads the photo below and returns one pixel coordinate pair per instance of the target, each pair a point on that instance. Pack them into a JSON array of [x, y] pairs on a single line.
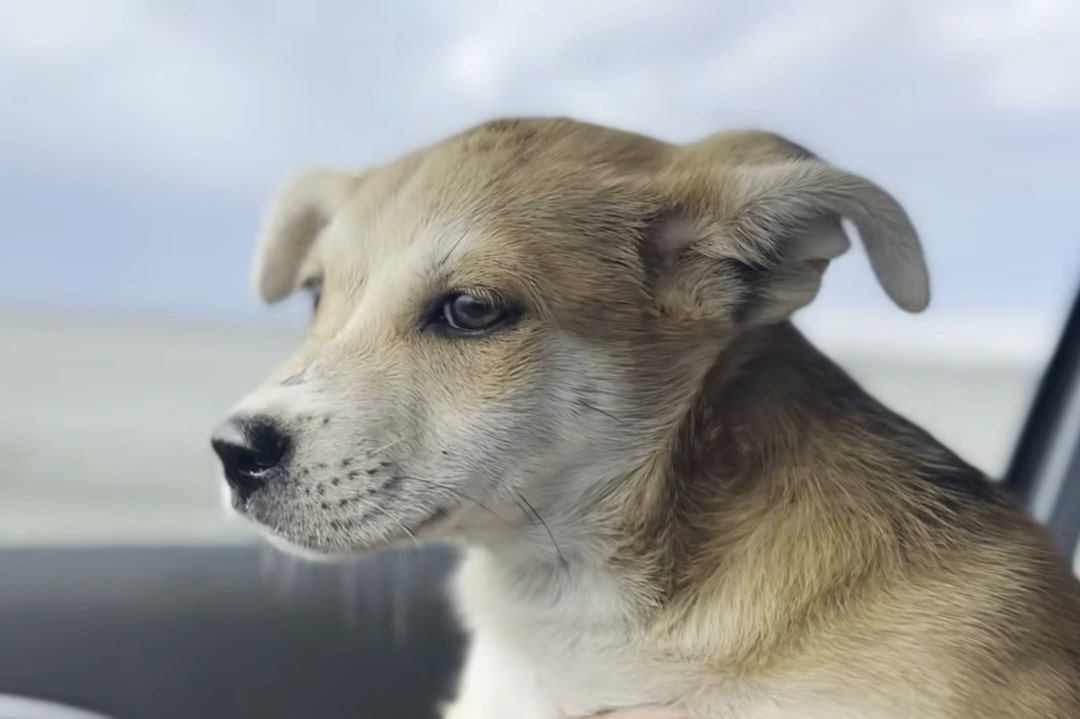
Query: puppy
[[568, 348]]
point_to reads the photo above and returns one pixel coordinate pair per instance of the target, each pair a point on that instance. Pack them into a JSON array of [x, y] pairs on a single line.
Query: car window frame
[[1044, 471]]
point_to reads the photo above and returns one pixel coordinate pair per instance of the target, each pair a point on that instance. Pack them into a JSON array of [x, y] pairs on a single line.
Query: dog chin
[[431, 529], [307, 553], [337, 553]]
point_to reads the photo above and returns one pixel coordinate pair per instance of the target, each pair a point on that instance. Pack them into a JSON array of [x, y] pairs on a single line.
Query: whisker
[[469, 498], [399, 606], [594, 408], [551, 536], [388, 445], [349, 605], [407, 531]]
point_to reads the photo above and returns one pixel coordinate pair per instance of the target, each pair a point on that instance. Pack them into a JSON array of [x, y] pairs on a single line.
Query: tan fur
[[670, 498]]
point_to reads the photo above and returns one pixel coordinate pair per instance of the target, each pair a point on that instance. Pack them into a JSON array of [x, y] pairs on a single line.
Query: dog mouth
[[328, 536]]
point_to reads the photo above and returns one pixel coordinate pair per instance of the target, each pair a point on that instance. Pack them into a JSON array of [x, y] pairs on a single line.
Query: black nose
[[250, 449]]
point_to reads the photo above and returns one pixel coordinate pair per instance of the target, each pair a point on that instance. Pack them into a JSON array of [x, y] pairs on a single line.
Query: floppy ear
[[297, 215], [753, 241]]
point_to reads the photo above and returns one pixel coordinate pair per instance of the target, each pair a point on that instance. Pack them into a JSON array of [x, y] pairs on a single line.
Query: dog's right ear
[[752, 241], [297, 215]]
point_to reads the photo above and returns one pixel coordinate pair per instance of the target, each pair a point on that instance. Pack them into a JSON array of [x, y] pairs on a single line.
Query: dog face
[[508, 322]]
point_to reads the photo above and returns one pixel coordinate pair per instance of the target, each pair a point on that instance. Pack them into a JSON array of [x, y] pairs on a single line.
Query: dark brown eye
[[466, 314]]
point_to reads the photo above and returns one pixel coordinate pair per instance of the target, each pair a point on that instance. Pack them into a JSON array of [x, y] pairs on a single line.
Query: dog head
[[507, 320]]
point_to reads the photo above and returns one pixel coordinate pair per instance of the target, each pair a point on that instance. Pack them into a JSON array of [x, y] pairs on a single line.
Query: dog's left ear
[[296, 216], [751, 242]]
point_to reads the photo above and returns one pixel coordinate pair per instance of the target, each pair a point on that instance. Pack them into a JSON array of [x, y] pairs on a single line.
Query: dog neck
[[779, 450], [635, 528]]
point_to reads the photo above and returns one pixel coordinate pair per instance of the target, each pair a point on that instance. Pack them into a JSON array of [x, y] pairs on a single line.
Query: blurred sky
[[138, 140]]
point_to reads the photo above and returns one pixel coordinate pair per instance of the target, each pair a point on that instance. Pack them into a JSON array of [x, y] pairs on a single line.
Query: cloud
[[223, 94], [130, 84], [1021, 55], [195, 110]]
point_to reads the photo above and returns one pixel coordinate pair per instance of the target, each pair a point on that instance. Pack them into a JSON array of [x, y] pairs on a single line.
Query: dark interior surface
[[227, 632], [1050, 429]]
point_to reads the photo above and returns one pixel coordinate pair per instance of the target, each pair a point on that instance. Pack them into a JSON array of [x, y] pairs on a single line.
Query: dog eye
[[313, 288], [466, 314]]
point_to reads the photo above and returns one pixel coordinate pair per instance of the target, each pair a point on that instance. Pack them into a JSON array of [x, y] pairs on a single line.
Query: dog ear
[[296, 216], [753, 241]]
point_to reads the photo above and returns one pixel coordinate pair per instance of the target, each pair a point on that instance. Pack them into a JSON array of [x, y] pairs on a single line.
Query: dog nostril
[[249, 450]]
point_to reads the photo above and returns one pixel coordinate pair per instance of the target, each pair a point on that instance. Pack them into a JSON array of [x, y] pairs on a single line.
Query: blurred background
[[139, 142]]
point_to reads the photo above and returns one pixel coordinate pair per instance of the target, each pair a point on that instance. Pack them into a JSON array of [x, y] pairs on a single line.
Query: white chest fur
[[562, 647], [548, 647]]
